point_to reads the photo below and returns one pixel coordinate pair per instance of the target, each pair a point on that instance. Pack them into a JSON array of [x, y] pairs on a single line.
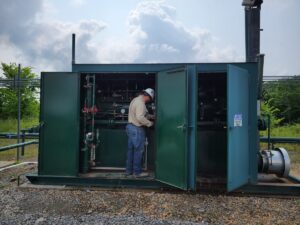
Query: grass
[[10, 125], [11, 155], [284, 131]]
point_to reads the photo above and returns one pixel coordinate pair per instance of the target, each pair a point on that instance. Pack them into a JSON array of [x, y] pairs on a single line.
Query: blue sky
[[145, 31]]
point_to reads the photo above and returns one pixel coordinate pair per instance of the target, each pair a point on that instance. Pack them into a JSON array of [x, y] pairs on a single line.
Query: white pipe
[[19, 164]]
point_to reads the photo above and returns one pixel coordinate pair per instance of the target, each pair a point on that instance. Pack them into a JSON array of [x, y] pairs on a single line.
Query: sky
[[37, 33]]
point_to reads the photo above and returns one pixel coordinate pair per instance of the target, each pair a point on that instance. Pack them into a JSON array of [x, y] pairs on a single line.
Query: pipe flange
[[286, 160]]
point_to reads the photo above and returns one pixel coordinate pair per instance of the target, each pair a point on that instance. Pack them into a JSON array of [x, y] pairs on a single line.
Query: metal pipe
[[23, 141], [15, 135], [269, 131], [93, 103], [88, 128], [8, 147], [111, 122], [73, 48], [15, 165], [280, 140], [252, 32], [19, 111], [261, 59], [107, 168], [294, 179]]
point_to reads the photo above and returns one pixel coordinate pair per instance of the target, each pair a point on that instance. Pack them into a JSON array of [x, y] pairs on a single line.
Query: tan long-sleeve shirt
[[137, 113]]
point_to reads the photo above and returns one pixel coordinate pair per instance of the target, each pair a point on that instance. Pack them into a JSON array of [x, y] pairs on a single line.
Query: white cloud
[[162, 38], [154, 35], [116, 50], [42, 44], [78, 3], [9, 52]]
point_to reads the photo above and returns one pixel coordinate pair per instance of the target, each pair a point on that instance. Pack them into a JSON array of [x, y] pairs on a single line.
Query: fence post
[[19, 110], [23, 140]]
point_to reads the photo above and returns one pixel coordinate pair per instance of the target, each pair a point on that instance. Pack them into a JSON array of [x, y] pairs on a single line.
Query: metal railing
[[12, 146], [15, 152], [279, 140]]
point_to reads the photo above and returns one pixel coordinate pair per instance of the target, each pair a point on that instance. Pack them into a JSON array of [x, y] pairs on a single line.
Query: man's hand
[[150, 124], [151, 117]]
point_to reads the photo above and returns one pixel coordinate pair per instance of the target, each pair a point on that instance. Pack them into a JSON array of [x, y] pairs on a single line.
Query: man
[[135, 129]]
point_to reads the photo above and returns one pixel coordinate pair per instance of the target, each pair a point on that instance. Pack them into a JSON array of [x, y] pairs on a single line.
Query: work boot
[[141, 175]]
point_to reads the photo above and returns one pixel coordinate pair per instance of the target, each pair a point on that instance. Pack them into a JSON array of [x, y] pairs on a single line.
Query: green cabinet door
[[237, 123], [172, 155], [59, 134]]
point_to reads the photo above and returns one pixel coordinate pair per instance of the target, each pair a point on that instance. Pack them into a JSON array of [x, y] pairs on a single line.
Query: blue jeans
[[136, 140]]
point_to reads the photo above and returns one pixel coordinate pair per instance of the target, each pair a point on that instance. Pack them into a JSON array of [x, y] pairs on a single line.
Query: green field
[[284, 131], [10, 126]]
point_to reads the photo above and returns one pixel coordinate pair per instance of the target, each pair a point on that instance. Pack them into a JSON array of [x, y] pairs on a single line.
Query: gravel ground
[[98, 206]]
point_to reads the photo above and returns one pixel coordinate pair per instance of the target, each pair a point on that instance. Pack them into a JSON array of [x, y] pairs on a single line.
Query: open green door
[[237, 120], [59, 134], [172, 130]]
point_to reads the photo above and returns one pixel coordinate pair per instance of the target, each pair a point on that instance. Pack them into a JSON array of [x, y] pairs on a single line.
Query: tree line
[[281, 99], [9, 97]]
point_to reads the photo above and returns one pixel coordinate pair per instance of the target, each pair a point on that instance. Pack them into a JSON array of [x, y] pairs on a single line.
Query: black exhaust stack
[[73, 48], [252, 37], [252, 29]]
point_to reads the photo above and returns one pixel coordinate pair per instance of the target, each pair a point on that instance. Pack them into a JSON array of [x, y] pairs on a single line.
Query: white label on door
[[238, 120]]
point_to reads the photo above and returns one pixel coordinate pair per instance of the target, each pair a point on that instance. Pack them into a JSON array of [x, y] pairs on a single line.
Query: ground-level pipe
[[8, 147], [294, 179], [16, 165]]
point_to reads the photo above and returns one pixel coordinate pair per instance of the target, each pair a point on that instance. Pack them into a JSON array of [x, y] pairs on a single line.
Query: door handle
[[41, 125], [182, 127]]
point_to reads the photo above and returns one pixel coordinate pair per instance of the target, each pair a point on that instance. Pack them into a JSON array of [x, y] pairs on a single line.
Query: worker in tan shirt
[[135, 129]]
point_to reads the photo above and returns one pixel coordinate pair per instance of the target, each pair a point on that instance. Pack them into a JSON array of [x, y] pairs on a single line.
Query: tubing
[[8, 147], [19, 164], [111, 122], [260, 75], [14, 135], [280, 140], [294, 179]]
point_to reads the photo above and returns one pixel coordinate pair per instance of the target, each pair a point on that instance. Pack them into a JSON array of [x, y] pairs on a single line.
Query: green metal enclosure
[[59, 134], [205, 126]]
